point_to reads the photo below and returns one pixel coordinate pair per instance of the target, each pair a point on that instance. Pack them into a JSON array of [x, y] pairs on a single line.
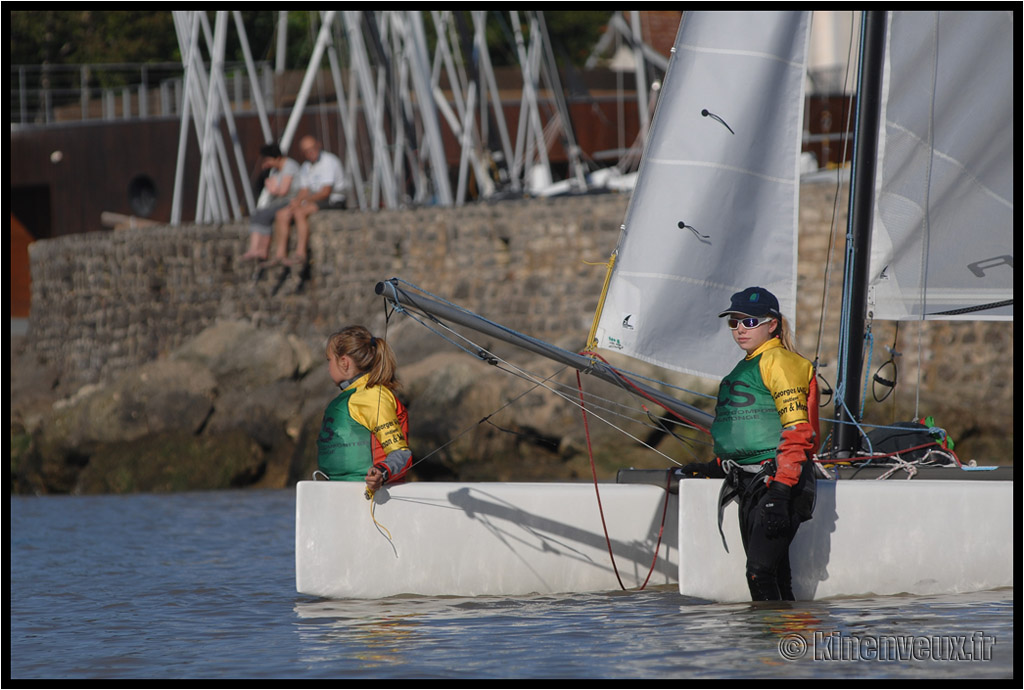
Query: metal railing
[[49, 94]]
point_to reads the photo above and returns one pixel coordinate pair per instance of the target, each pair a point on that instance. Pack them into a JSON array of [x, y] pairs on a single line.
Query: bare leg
[[282, 220], [263, 247], [254, 247], [302, 231]]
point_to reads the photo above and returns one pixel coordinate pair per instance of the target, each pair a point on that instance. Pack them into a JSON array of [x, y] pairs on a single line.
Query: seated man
[[321, 185]]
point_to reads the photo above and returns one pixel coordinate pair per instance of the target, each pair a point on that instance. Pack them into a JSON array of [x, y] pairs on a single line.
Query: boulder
[[162, 395], [242, 356], [173, 461]]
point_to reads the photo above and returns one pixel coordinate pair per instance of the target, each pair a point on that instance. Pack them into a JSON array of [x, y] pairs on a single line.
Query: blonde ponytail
[[785, 336], [370, 354]]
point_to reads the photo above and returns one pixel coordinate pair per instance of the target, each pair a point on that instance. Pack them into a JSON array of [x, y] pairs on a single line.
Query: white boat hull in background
[[470, 539], [866, 537]]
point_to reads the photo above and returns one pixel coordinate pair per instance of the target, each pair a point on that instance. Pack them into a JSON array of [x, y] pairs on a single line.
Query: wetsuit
[[765, 430], [363, 427]]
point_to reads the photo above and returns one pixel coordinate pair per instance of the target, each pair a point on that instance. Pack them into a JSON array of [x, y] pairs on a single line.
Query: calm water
[[201, 585]]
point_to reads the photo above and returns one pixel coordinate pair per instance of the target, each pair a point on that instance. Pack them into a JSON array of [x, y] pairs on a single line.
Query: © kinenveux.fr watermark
[[835, 646]]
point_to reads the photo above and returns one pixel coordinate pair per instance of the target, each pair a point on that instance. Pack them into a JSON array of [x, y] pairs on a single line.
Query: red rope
[[600, 508], [642, 393]]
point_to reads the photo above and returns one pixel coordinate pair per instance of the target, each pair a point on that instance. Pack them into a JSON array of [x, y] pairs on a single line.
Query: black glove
[[701, 469], [775, 510]]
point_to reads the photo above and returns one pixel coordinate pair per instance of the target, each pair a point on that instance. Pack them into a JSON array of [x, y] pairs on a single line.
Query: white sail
[[715, 206], [943, 228]]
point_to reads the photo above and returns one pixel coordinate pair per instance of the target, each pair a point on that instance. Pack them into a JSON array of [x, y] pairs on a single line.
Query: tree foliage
[[70, 37], [58, 37]]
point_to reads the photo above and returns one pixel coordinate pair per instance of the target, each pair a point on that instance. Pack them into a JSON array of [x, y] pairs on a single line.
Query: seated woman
[[279, 189], [364, 434]]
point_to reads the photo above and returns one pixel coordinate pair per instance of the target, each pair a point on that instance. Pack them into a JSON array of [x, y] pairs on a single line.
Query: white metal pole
[[428, 110], [641, 75], [254, 82], [479, 19], [322, 40], [352, 167], [282, 42], [360, 63], [213, 112], [187, 44]]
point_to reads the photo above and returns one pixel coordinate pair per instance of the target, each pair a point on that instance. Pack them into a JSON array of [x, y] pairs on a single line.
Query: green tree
[[62, 37], [69, 37]]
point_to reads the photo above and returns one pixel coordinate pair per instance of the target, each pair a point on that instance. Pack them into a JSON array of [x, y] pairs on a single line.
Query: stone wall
[[104, 302]]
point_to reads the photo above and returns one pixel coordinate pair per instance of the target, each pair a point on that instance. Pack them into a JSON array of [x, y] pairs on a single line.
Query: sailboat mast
[[846, 437]]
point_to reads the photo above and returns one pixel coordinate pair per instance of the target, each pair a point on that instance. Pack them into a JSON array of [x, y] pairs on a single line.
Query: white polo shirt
[[326, 171]]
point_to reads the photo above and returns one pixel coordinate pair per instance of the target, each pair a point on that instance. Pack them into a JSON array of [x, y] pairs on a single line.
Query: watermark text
[[836, 646]]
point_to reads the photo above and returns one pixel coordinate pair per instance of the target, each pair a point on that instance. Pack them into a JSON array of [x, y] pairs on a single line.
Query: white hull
[[473, 539], [509, 539], [866, 537]]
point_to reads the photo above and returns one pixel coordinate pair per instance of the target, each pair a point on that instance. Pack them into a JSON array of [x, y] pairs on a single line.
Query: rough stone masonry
[[106, 302]]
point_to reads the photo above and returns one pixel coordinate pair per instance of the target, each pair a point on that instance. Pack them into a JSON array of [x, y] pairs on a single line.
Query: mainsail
[[715, 206], [943, 228]]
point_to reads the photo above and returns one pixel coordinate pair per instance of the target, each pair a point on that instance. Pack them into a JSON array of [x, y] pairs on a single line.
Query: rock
[[242, 356], [173, 461], [264, 414], [34, 386], [480, 422], [163, 395]]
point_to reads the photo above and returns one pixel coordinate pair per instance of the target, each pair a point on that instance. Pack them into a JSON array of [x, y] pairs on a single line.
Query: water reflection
[[655, 633]]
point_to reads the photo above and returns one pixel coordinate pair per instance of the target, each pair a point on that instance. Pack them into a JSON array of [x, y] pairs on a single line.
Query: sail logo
[[978, 268], [626, 324]]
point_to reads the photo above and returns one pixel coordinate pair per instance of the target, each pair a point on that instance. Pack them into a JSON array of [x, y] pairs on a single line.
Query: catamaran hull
[[509, 539], [866, 537], [472, 539]]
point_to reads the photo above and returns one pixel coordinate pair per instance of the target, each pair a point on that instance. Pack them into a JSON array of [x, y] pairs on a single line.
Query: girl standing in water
[[765, 432]]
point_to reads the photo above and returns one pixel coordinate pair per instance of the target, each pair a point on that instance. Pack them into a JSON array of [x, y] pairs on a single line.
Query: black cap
[[270, 151], [754, 301]]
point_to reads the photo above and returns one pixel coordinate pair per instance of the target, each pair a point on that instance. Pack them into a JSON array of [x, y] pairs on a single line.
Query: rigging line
[[484, 419], [442, 325], [926, 238], [597, 491], [654, 426], [517, 334], [835, 201], [526, 376], [624, 379], [656, 423]]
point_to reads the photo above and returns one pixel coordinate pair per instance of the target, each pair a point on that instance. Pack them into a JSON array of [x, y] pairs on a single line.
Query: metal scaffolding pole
[[348, 122], [428, 110], [322, 40], [254, 82], [360, 63]]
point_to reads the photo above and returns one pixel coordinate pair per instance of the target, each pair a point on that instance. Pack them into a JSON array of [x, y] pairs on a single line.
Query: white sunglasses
[[748, 322]]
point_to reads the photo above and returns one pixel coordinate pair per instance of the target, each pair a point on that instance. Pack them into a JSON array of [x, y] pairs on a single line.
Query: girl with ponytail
[[365, 431]]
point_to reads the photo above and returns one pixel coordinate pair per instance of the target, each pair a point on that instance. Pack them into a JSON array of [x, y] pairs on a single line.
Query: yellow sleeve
[[375, 409], [788, 376]]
